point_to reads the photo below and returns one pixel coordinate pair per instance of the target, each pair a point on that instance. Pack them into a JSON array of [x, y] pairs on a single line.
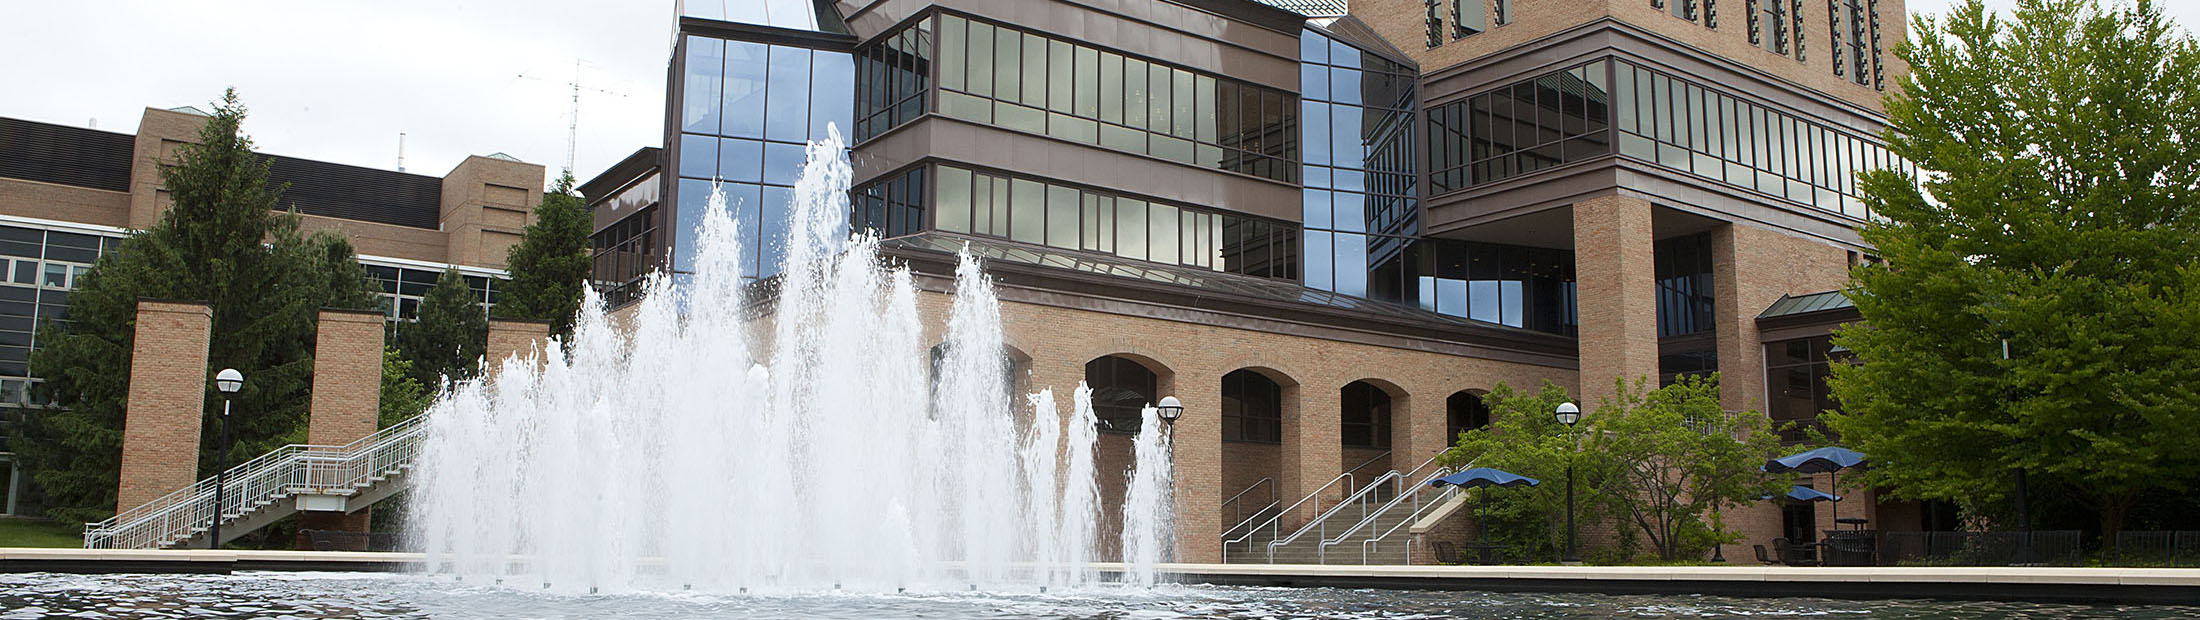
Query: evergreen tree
[[223, 242], [402, 396], [2056, 216], [551, 264], [450, 335]]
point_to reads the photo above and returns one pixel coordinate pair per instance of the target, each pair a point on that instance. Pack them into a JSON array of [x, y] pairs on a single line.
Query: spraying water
[[1147, 504], [675, 451]]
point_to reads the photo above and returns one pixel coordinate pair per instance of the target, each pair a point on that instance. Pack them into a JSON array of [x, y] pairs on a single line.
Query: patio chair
[[1446, 554], [1793, 554], [1762, 556]]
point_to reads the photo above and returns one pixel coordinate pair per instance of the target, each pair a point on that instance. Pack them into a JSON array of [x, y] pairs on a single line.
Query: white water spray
[[1148, 503], [661, 454]]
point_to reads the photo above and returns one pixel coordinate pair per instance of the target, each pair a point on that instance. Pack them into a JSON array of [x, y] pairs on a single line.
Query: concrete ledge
[[2061, 585]]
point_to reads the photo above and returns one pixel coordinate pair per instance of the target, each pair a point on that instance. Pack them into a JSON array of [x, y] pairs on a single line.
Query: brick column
[[508, 337], [1313, 450], [167, 406], [347, 394], [1615, 272], [1418, 425], [1197, 444]]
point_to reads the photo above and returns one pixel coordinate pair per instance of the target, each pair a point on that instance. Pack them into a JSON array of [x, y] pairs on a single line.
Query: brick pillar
[[1615, 272], [1197, 444], [1313, 450], [1418, 425], [347, 393], [1750, 269], [508, 337], [167, 406]]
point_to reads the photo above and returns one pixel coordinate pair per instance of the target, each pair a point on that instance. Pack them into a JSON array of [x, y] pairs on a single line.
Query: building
[[1333, 224], [68, 194]]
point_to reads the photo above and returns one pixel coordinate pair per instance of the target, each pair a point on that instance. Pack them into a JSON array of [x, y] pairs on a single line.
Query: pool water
[[371, 595]]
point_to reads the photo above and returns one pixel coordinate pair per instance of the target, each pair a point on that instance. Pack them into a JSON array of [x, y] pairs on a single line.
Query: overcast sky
[[337, 80]]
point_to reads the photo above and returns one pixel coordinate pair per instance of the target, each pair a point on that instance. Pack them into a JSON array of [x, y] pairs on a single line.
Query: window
[[1509, 285], [1121, 390], [1683, 267], [1030, 82], [1796, 392], [1252, 408], [892, 206], [1360, 205], [1435, 24], [895, 72], [1078, 218], [1468, 17], [1768, 24], [1464, 411], [629, 249], [1557, 118], [766, 101], [1366, 416]]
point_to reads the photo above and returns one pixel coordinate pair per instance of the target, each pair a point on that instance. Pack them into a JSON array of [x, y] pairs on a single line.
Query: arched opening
[[1364, 429], [1252, 407], [1464, 411], [1252, 446], [1121, 389]]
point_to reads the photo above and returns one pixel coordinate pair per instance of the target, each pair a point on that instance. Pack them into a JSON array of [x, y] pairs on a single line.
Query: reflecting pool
[[371, 595]]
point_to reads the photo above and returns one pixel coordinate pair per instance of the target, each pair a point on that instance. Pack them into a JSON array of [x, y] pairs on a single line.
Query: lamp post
[[228, 381], [1170, 409], [1568, 414]]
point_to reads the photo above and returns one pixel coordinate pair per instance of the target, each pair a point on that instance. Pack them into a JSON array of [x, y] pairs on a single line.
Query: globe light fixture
[[1170, 409]]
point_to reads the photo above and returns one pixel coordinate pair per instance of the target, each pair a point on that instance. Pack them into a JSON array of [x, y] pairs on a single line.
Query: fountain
[[676, 452]]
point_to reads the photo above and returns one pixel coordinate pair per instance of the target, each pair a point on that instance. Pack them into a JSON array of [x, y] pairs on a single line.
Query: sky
[[338, 80]]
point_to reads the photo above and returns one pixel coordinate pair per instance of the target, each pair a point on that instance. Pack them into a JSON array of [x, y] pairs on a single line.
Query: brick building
[[1327, 226], [68, 194]]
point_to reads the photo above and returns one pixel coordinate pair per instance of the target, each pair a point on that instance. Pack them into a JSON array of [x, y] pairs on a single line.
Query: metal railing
[[1320, 524], [2041, 547], [290, 470], [1272, 524], [1355, 469], [1402, 495], [1237, 505], [1367, 547], [2157, 548]]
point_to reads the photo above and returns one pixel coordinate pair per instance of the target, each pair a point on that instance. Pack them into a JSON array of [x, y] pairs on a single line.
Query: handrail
[[1367, 519], [1364, 464], [285, 471], [1367, 546], [1271, 523], [1239, 519], [1322, 521]]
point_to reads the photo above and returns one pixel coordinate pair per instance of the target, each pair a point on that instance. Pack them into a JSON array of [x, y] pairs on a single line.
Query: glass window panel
[[772, 247], [783, 162], [1157, 98], [1204, 113], [1130, 227], [954, 41], [1351, 264], [1162, 242], [1027, 221], [954, 200], [1319, 269], [1134, 93], [744, 89], [1062, 217], [1313, 48], [1061, 78], [1347, 148], [1019, 117], [1035, 71], [1000, 205], [699, 91], [787, 105], [1087, 98], [980, 78], [1317, 130], [1313, 82], [1072, 128], [1089, 214], [1008, 56], [740, 160], [1182, 103], [833, 94], [1111, 88], [966, 107], [698, 156], [1345, 87], [1315, 208], [1113, 136]]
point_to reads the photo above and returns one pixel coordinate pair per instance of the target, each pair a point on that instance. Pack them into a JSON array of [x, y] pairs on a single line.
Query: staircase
[[263, 490], [1369, 525]]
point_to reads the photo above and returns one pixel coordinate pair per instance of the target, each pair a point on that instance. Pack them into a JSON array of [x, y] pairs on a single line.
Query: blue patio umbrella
[[1807, 494], [1827, 460], [1484, 477]]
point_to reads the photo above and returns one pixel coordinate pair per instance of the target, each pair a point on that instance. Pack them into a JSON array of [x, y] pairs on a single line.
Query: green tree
[[402, 395], [450, 335], [551, 264], [1524, 438], [2056, 212], [1669, 459], [221, 241]]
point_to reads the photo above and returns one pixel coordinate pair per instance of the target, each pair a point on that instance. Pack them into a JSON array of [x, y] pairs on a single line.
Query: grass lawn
[[39, 533]]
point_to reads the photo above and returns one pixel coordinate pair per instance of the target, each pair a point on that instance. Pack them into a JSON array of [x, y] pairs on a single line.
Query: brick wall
[[507, 338], [167, 400], [1615, 279], [347, 391]]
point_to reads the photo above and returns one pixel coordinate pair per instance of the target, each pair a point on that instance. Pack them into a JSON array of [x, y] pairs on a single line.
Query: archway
[[1122, 386], [1253, 404], [1464, 411], [1364, 428]]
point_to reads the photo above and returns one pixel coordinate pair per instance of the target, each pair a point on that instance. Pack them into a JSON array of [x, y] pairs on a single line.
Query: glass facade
[[891, 206], [1076, 218], [1359, 205], [1537, 123], [1683, 268], [1795, 373], [894, 72], [1031, 82], [1516, 286], [1684, 126], [399, 287], [792, 14], [747, 111]]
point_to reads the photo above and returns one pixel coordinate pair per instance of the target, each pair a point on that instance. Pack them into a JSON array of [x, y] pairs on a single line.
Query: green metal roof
[[1791, 305]]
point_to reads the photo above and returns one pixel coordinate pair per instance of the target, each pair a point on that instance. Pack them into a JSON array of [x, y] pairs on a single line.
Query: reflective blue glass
[[745, 202], [699, 90], [744, 111], [694, 198], [1484, 301], [1344, 86], [1317, 176], [1320, 268], [1316, 140], [1346, 148], [783, 162], [1315, 207], [1349, 213], [1314, 82], [832, 94], [1313, 47], [1451, 295], [1351, 264], [698, 156], [1343, 55], [741, 160], [1349, 180], [787, 104], [772, 249]]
